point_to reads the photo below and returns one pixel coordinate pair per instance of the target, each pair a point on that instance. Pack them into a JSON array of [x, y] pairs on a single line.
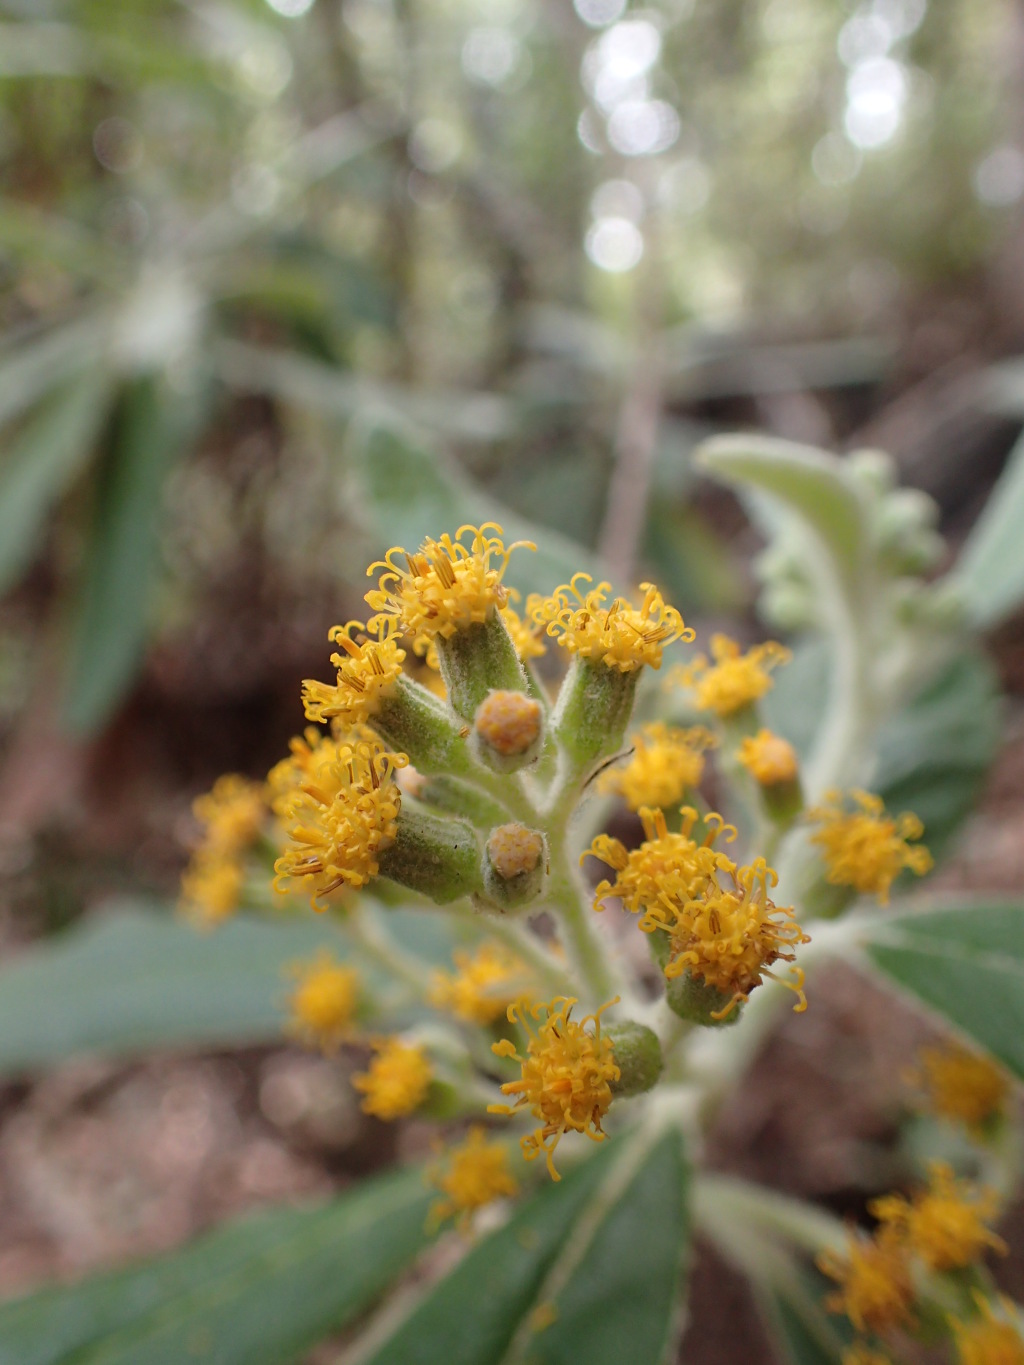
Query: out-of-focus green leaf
[[990, 571], [588, 1270], [133, 980], [40, 464], [689, 560], [802, 1332], [412, 493], [259, 1291], [30, 368], [966, 962], [933, 756], [151, 429]]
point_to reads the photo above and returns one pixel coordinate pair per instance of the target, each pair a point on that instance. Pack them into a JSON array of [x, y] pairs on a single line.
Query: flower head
[[665, 763], [943, 1224], [211, 887], [865, 848], [768, 758], [567, 1075], [472, 1175], [509, 722], [323, 1003], [665, 864], [528, 644], [991, 1338], [876, 1291], [734, 680], [232, 815], [344, 814], [613, 633], [397, 1080], [961, 1085], [730, 935], [366, 672], [482, 986], [308, 755], [445, 586]]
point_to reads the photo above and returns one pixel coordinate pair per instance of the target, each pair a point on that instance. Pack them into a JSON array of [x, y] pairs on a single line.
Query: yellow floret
[[508, 721], [471, 1176], [528, 644], [397, 1081], [211, 888], [768, 758], [443, 588], [734, 681], [665, 864], [344, 815], [232, 815], [366, 673], [323, 1004], [876, 1291], [566, 1075], [664, 764], [961, 1085], [613, 633], [944, 1224], [482, 986], [991, 1338], [513, 849], [866, 848]]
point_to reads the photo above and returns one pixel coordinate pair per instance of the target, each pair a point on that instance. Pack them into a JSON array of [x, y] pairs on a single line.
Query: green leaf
[[152, 427], [803, 1333], [29, 369], [966, 962], [412, 492], [42, 461], [130, 980], [810, 484], [587, 1270], [990, 571], [259, 1291]]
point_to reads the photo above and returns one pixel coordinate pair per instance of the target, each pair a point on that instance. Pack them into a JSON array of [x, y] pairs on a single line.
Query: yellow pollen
[[482, 986], [613, 633], [232, 815], [961, 1085], [323, 1004], [990, 1339], [566, 1075], [730, 935], [876, 1291], [866, 848], [397, 1081], [664, 764], [366, 673], [734, 681], [513, 849], [343, 815], [768, 758], [943, 1224], [665, 864], [445, 587], [508, 721], [473, 1175]]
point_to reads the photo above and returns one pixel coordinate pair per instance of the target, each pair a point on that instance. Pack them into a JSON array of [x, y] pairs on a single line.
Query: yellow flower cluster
[[344, 814], [734, 681], [991, 1338], [566, 1075], [865, 848], [444, 587], [940, 1228], [397, 1080], [768, 758], [322, 1007], [528, 644], [366, 673], [232, 816], [667, 863], [961, 1086], [613, 633], [472, 1175], [482, 986], [664, 764]]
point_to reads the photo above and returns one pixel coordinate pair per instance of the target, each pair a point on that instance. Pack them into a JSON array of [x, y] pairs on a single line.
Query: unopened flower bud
[[507, 730], [637, 1055], [593, 709], [773, 764], [514, 865], [476, 660], [435, 856]]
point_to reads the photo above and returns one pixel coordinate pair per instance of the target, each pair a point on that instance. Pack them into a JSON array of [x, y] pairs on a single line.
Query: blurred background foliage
[[558, 243]]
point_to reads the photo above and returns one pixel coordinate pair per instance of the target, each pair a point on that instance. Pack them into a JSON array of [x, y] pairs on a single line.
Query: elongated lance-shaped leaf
[[990, 572], [963, 961], [40, 463], [152, 427], [259, 1291], [590, 1269], [43, 362]]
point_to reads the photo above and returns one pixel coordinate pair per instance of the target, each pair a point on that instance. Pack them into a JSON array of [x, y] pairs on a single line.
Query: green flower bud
[[698, 1002], [435, 856], [515, 865], [413, 721], [507, 730], [593, 709], [476, 660], [637, 1055]]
